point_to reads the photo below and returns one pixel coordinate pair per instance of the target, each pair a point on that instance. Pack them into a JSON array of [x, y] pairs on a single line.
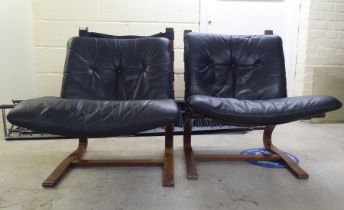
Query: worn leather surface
[[92, 118], [262, 112], [241, 79], [110, 87], [117, 69], [242, 67]]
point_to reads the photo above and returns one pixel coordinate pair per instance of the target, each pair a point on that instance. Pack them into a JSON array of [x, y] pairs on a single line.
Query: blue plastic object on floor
[[266, 164]]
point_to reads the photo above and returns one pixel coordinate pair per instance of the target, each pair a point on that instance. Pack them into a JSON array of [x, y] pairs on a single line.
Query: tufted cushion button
[[92, 68], [233, 65]]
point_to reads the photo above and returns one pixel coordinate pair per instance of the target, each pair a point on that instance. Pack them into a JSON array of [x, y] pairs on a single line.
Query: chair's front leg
[[63, 167], [168, 179], [267, 136], [191, 170], [295, 169]]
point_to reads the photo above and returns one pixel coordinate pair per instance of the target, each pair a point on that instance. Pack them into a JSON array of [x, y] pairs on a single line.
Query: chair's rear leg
[[191, 170], [62, 168], [168, 174], [295, 169]]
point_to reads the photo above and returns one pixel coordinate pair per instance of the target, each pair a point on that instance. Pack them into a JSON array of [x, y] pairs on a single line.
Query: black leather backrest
[[117, 69], [243, 67]]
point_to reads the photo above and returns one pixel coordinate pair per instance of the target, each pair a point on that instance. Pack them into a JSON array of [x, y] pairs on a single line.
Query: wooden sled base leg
[[75, 160], [191, 170], [190, 162], [168, 173], [295, 169], [61, 169], [276, 154]]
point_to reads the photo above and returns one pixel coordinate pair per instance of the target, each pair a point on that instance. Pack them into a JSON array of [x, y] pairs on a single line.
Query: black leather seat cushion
[[92, 118], [262, 112]]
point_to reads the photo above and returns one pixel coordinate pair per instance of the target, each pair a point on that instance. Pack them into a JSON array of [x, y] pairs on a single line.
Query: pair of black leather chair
[[121, 85]]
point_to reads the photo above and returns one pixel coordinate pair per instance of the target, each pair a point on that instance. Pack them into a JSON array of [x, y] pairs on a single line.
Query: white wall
[[16, 61], [320, 54]]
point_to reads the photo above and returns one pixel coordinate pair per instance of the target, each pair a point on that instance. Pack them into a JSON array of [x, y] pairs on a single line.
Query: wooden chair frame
[[276, 154], [75, 160]]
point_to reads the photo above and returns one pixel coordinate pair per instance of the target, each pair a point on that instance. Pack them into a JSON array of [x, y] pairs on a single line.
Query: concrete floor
[[227, 185]]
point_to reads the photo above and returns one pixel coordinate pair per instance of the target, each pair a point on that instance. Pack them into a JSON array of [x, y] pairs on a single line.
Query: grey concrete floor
[[226, 185]]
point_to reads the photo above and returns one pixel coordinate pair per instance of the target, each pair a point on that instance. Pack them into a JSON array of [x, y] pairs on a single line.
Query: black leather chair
[[112, 86], [241, 80]]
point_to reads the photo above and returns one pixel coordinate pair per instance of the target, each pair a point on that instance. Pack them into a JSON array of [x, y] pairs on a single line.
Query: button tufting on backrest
[[93, 68], [257, 63], [108, 69], [234, 63], [144, 67]]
